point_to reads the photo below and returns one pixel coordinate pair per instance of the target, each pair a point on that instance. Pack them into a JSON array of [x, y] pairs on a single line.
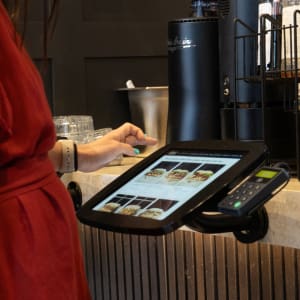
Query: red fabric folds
[[40, 253]]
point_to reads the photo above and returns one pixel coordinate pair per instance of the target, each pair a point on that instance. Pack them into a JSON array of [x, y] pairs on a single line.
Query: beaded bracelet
[[69, 162]]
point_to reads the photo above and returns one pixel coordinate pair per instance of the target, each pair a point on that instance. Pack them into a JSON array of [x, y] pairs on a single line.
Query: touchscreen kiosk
[[156, 195]]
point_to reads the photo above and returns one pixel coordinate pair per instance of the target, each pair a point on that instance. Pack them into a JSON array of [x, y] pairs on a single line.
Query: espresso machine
[[216, 88]]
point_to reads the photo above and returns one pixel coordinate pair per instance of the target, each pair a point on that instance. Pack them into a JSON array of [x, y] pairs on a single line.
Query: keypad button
[[237, 204]]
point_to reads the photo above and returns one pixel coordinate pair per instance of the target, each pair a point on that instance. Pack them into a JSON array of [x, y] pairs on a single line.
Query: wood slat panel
[[145, 282], [128, 267], [153, 268], [200, 266], [111, 247], [221, 264], [136, 266], [89, 257], [120, 265], [187, 265], [254, 272], [180, 266], [162, 268], [190, 272], [243, 271], [210, 266], [96, 264], [232, 271], [278, 267], [105, 295], [297, 292], [171, 266], [266, 272], [290, 271]]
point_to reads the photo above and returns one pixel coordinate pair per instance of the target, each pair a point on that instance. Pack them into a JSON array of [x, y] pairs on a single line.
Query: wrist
[[69, 157]]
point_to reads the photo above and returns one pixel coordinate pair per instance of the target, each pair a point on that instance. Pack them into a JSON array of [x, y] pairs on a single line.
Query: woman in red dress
[[40, 253]]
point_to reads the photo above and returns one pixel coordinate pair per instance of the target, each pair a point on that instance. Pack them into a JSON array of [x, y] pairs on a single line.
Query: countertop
[[283, 209]]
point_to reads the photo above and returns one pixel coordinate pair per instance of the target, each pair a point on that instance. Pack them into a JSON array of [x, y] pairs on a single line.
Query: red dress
[[40, 253]]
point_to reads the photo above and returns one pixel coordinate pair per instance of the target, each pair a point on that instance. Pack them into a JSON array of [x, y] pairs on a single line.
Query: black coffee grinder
[[202, 85], [193, 58]]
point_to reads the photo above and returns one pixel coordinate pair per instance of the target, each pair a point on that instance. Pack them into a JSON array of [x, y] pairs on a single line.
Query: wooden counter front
[[190, 265]]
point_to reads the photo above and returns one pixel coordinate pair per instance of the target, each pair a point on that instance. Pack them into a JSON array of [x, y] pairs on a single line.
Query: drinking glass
[[79, 128]]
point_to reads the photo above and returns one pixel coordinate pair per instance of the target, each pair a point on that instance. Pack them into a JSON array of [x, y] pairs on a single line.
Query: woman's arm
[[96, 154]]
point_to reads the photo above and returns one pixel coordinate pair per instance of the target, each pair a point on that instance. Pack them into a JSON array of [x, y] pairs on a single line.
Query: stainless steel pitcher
[[149, 110]]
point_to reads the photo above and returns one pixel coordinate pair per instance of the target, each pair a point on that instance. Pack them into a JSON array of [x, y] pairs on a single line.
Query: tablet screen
[[167, 184]]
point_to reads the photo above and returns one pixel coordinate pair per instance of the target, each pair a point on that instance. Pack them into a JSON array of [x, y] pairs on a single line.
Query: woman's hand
[[122, 140]]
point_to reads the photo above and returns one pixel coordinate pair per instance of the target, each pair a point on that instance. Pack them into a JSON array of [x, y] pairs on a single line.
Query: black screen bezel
[[253, 155]]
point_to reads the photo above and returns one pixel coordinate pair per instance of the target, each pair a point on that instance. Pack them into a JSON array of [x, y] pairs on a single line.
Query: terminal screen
[[166, 184]]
